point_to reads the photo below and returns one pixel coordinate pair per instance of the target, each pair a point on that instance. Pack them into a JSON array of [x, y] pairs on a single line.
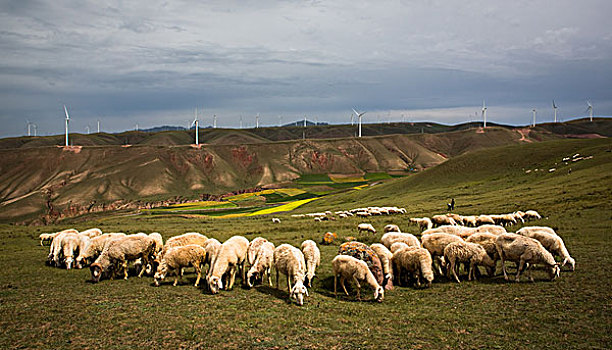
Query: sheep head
[[298, 291], [379, 294], [215, 284], [554, 272], [96, 272], [571, 262], [252, 276], [69, 262]]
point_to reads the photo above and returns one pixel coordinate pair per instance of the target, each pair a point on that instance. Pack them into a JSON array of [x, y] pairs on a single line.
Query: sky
[[153, 62]]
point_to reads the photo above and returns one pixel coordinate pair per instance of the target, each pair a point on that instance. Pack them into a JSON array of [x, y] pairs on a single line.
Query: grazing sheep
[[363, 252], [94, 248], [397, 246], [312, 255], [262, 265], [177, 258], [392, 228], [212, 247], [484, 220], [276, 221], [554, 244], [435, 244], [439, 220], [492, 229], [365, 227], [385, 259], [465, 252], [470, 221], [504, 219], [391, 237], [524, 231], [413, 262], [289, 261], [532, 214], [347, 267], [49, 237], [458, 218], [70, 244], [424, 223], [524, 250], [92, 232], [487, 241], [253, 249], [185, 239], [460, 231], [231, 257], [55, 246], [119, 251]]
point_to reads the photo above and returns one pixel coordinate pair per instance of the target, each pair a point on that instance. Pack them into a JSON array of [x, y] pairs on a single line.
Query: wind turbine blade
[[356, 113], [66, 111]]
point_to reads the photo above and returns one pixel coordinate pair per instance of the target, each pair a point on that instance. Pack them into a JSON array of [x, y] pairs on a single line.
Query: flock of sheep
[[400, 258]]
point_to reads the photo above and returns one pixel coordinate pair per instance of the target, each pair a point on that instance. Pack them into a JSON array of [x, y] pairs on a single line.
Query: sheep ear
[[306, 291], [220, 283]]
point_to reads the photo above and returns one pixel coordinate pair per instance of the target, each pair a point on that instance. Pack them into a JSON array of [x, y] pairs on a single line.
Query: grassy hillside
[[45, 307]]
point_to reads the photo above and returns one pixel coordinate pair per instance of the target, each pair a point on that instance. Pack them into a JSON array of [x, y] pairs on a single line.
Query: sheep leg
[[232, 277], [176, 277], [268, 272], [503, 264], [520, 268], [342, 279], [125, 269], [529, 266], [454, 269], [276, 277], [198, 269], [288, 284], [472, 273], [358, 288]]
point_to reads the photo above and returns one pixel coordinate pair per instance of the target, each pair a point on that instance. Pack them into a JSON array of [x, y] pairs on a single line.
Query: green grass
[[44, 307]]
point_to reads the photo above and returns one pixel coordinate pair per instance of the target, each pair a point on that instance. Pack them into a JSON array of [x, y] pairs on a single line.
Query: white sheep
[[289, 261], [524, 231], [532, 214], [465, 252], [414, 261], [439, 220], [524, 250], [554, 244], [484, 220], [92, 232], [276, 220], [392, 228], [262, 265], [119, 251], [435, 244], [460, 231], [470, 221], [253, 249], [392, 237], [177, 258], [397, 246], [312, 256], [48, 237], [424, 223], [212, 247], [55, 247], [385, 259], [487, 241], [94, 248], [492, 229], [70, 244], [185, 239], [347, 267], [458, 218], [231, 257], [366, 227]]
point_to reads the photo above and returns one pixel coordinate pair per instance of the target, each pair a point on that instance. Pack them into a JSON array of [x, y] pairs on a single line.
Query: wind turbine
[[98, 126], [214, 121], [534, 117], [29, 124], [195, 122], [87, 128], [359, 115], [257, 121], [589, 109], [35, 129], [67, 120], [484, 115], [280, 120], [352, 119], [555, 110], [241, 122]]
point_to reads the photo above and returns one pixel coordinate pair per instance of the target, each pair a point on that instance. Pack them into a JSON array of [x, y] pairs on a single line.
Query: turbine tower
[[87, 128], [98, 126], [195, 122], [359, 115], [29, 124], [589, 109], [240, 122], [555, 110], [257, 121], [352, 119], [534, 117], [67, 120], [35, 129], [484, 115], [214, 121]]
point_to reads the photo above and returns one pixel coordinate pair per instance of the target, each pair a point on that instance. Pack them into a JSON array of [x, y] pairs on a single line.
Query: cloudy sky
[[152, 62]]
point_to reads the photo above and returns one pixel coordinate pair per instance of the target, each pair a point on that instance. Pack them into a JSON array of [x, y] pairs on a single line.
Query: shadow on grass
[[280, 294]]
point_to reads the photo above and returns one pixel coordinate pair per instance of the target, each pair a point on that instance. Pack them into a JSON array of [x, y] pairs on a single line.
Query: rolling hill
[[40, 182]]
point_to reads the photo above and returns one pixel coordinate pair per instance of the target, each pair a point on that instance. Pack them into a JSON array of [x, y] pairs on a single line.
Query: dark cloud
[[153, 62]]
